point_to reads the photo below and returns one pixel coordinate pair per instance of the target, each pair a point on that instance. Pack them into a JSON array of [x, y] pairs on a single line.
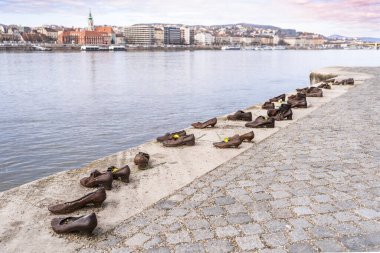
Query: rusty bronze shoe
[[211, 122], [98, 179], [95, 199], [314, 92], [85, 224], [278, 98], [267, 105], [170, 136], [240, 115], [261, 122], [188, 140], [141, 159], [232, 142], [298, 101], [282, 113], [122, 173]]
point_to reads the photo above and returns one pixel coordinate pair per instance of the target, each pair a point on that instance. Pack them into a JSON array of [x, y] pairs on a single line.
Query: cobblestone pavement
[[314, 186]]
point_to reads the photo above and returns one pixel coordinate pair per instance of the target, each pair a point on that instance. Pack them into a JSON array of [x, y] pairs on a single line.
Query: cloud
[[325, 16]]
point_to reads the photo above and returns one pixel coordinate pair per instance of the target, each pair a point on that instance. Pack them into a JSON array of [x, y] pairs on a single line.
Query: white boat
[[231, 48], [117, 48], [89, 48]]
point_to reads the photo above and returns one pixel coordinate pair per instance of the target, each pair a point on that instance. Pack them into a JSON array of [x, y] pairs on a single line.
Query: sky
[[356, 18]]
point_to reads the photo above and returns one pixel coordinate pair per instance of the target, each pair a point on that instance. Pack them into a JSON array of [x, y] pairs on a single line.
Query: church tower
[[90, 22]]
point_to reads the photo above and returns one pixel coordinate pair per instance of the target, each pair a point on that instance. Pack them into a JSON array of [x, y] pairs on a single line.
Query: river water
[[59, 111]]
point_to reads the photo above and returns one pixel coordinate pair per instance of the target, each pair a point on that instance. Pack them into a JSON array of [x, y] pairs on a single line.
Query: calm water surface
[[62, 110]]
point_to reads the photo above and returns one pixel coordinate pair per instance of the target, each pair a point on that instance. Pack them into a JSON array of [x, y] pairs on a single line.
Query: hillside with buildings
[[164, 35]]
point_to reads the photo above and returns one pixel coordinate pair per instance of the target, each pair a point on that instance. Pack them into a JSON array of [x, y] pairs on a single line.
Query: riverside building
[[187, 36], [140, 35], [172, 36]]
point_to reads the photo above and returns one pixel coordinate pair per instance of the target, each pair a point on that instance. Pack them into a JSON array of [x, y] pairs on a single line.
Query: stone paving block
[[303, 210], [213, 211], [178, 237], [278, 250], [282, 213], [222, 201], [346, 229], [321, 232], [251, 229], [275, 239], [197, 224], [239, 218], [158, 250], [300, 201], [252, 242], [299, 223], [189, 248], [298, 235], [218, 246], [301, 247], [202, 234], [228, 231], [277, 226], [152, 242], [346, 216], [137, 240], [368, 213], [324, 219], [329, 245]]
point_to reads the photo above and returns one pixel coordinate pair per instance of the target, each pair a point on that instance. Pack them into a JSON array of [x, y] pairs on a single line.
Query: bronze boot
[[122, 173], [211, 122], [240, 115], [267, 105], [141, 159], [170, 136], [188, 140], [261, 122], [98, 179], [95, 198], [282, 113], [297, 101], [84, 224], [232, 142]]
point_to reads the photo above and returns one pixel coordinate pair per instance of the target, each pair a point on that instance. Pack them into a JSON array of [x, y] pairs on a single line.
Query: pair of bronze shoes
[[180, 138], [311, 91], [235, 141], [261, 122], [297, 101], [209, 123], [282, 113], [105, 179], [85, 223], [141, 160], [240, 115]]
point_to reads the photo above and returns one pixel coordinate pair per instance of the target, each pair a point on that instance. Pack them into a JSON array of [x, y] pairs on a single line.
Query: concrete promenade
[[312, 186]]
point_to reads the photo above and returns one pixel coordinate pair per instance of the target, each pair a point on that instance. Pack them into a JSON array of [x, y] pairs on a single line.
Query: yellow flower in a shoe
[[176, 136], [226, 140]]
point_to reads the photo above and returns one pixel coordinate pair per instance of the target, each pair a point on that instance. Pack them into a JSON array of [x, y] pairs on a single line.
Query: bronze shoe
[[211, 122], [261, 122], [95, 198], [247, 137], [122, 173], [278, 98], [170, 136], [348, 81], [240, 115], [84, 224], [233, 142], [267, 105], [311, 92], [282, 113], [324, 86], [188, 140], [98, 179], [141, 159], [297, 101]]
